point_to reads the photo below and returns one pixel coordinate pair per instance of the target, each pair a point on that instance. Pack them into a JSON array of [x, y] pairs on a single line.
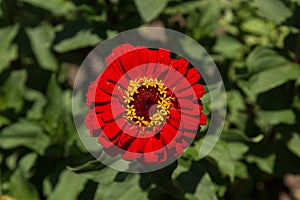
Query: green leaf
[[68, 187], [24, 133], [8, 51], [26, 164], [163, 178], [241, 170], [20, 187], [276, 117], [83, 38], [88, 166], [272, 78], [127, 190], [274, 10], [237, 150], [263, 58], [150, 9], [256, 26], [294, 144], [265, 164], [14, 89], [222, 155], [205, 190], [4, 121], [41, 38], [229, 47], [39, 102], [57, 7]]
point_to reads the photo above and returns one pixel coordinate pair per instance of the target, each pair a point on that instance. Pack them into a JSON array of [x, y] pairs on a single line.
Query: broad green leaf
[[294, 144], [26, 163], [20, 187], [222, 155], [24, 133], [57, 7], [263, 58], [241, 170], [256, 26], [36, 111], [184, 7], [274, 10], [14, 89], [149, 9], [83, 38], [127, 190], [4, 121], [272, 78], [237, 150], [68, 187], [229, 47], [163, 179], [41, 38], [205, 190], [276, 117], [103, 176], [237, 107], [8, 50], [266, 164], [96, 171], [88, 166], [11, 160]]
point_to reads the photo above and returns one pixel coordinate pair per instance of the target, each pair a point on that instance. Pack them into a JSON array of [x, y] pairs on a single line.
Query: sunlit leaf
[[24, 133], [265, 164], [14, 89], [83, 38], [294, 144], [57, 7], [68, 187], [272, 78], [221, 154], [127, 190], [8, 50], [41, 38], [20, 187], [205, 190], [263, 58], [274, 10], [149, 9]]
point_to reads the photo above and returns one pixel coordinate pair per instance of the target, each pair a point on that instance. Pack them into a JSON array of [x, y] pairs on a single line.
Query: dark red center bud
[[145, 100]]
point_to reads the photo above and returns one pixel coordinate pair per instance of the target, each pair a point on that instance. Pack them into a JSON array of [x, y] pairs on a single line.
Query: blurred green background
[[256, 46]]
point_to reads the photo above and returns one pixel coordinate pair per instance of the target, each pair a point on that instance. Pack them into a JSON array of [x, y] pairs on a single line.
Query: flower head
[[145, 105]]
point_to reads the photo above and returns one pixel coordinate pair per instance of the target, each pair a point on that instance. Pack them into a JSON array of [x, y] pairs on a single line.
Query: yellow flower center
[[147, 102]]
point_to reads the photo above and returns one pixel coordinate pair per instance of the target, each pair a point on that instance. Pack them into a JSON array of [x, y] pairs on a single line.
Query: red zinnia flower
[[145, 105]]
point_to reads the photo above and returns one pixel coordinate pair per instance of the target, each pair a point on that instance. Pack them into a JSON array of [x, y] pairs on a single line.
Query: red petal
[[140, 56], [151, 158], [193, 76], [91, 120], [199, 90], [141, 143], [102, 97], [125, 141], [203, 118], [168, 133], [112, 131], [102, 139], [163, 56], [102, 108], [190, 122], [180, 65], [152, 61]]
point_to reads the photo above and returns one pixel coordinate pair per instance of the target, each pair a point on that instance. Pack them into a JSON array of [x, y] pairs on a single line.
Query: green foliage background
[[256, 45]]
